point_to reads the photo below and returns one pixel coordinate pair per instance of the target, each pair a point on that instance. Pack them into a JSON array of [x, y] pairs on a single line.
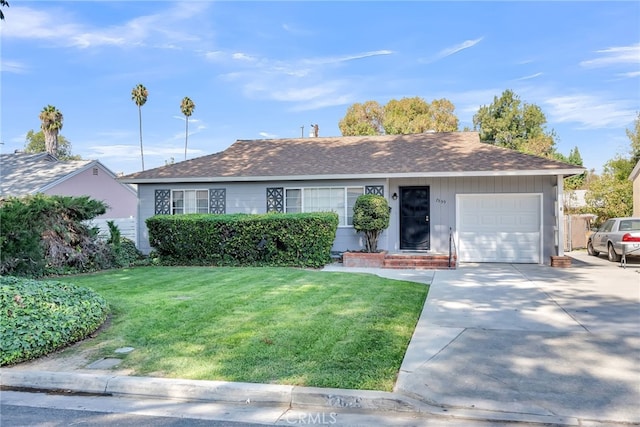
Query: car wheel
[[590, 249], [613, 256]]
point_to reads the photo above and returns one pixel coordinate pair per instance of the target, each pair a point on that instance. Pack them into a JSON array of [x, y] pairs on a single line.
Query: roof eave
[[443, 174]]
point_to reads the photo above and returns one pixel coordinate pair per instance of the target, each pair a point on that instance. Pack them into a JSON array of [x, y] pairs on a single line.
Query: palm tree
[[139, 96], [51, 119], [186, 106], [3, 3]]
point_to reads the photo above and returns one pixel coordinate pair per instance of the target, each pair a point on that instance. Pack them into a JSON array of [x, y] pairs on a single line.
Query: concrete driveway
[[531, 339]]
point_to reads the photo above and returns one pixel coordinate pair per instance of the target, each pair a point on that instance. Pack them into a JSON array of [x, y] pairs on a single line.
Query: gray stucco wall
[[443, 193], [250, 197]]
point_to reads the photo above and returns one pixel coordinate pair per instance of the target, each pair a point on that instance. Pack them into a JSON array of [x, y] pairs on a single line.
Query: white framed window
[[189, 201], [324, 199]]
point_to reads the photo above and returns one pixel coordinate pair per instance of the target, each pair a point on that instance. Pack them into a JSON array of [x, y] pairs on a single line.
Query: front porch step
[[419, 261]]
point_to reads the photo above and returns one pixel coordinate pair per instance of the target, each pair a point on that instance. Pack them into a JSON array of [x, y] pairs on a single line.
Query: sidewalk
[[500, 342]]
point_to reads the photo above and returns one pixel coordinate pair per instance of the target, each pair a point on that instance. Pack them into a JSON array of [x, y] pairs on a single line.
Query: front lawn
[[264, 325]]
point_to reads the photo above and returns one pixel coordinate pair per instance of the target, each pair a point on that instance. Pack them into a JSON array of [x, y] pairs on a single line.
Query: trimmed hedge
[[273, 239], [37, 318]]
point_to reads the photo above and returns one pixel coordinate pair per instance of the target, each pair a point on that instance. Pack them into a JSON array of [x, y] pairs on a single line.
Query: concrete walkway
[[523, 343]]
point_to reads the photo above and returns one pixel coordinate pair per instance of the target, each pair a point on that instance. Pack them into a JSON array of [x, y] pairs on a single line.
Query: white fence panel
[[127, 227]]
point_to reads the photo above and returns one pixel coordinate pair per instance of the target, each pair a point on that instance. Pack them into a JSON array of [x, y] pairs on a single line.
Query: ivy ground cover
[[38, 317], [264, 325]]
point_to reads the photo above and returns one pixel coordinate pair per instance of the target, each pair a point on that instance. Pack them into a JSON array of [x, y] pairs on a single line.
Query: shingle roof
[[427, 154], [22, 174]]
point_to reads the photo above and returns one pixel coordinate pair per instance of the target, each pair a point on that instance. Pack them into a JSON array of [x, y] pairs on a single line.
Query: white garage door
[[499, 227]]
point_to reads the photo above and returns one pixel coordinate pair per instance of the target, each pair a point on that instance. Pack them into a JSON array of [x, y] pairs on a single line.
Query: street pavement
[[496, 343]]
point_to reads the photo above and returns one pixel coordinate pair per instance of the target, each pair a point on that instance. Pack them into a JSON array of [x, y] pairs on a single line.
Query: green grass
[[264, 325]]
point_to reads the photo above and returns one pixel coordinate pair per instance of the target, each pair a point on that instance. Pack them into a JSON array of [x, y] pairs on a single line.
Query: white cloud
[[457, 48], [121, 151], [329, 101], [15, 67], [345, 58], [307, 82], [214, 55], [57, 26], [268, 135], [532, 76], [297, 31], [239, 56], [297, 94], [630, 75], [590, 111], [615, 56]]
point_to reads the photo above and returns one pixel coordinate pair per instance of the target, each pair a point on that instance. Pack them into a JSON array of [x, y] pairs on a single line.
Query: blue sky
[[265, 69]]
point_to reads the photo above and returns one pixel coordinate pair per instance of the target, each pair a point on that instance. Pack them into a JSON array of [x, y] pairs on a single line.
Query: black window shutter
[[162, 202], [218, 200], [378, 190], [275, 199]]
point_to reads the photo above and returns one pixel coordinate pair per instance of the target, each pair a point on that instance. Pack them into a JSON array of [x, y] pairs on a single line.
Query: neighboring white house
[[23, 174], [500, 205]]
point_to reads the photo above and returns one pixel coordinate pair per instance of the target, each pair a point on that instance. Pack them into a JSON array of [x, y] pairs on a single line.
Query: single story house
[[498, 205], [24, 174], [635, 178]]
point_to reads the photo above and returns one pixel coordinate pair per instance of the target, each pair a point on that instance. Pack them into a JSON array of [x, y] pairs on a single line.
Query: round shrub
[[371, 217], [39, 317]]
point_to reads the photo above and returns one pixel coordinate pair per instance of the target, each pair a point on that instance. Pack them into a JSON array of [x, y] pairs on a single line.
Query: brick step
[[425, 262]]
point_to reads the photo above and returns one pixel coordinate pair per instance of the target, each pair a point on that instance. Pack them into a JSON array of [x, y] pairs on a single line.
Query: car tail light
[[629, 238]]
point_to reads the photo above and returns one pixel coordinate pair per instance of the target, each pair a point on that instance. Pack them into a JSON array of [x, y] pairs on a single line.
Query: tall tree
[[577, 181], [404, 116], [444, 120], [34, 143], [634, 136], [508, 122], [186, 106], [611, 194], [51, 122], [3, 3], [363, 119], [415, 115], [139, 95], [407, 115]]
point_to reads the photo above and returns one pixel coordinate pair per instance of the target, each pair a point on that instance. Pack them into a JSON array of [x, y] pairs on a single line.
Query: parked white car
[[612, 235]]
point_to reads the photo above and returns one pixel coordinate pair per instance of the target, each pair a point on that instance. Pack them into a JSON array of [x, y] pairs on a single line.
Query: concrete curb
[[294, 397]]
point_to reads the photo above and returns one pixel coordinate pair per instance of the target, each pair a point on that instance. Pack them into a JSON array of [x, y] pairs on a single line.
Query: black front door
[[414, 218]]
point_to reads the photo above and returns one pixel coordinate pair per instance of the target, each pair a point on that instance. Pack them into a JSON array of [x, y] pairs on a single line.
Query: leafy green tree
[[577, 181], [611, 194], [139, 96], [634, 136], [45, 234], [51, 122], [371, 217], [507, 122], [399, 117], [415, 115], [34, 143], [186, 106], [444, 120], [363, 119]]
